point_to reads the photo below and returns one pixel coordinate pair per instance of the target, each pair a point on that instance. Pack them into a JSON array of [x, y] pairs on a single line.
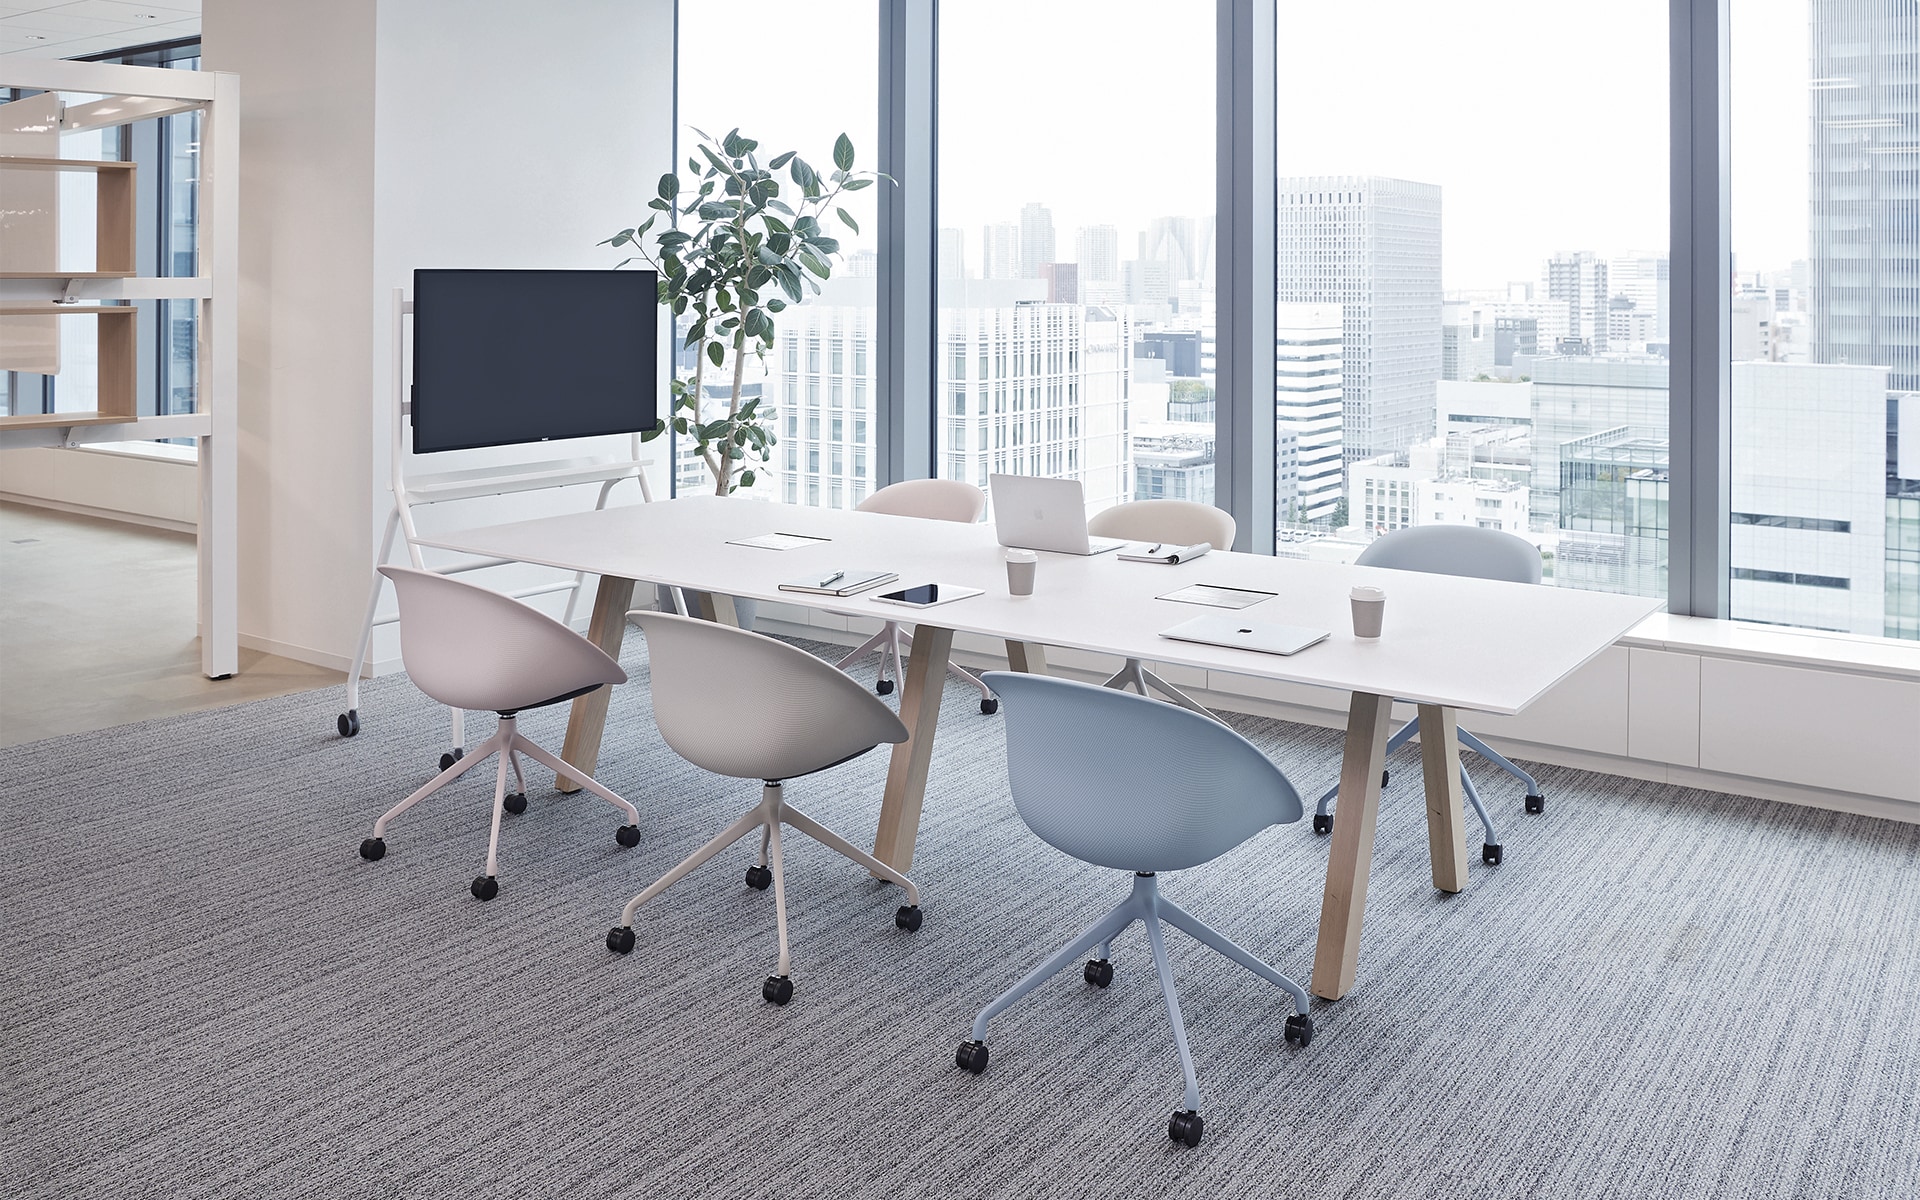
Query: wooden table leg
[[713, 606], [587, 720], [907, 772], [1028, 657], [1446, 826], [1337, 953]]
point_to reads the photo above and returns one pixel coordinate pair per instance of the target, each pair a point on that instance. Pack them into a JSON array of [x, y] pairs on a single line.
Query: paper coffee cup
[[1369, 612], [1021, 567]]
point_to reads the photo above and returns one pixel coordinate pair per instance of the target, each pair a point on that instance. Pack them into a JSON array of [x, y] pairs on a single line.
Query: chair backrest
[[934, 499], [1456, 550], [1127, 782], [746, 705], [1176, 522], [470, 647]]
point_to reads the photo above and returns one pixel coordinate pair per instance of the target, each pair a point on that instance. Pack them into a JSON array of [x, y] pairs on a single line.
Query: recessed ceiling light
[[35, 37]]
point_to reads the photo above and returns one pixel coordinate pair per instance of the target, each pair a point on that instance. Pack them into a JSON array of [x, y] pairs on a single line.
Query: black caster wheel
[[1491, 854], [348, 722], [907, 917], [971, 1056], [1185, 1127], [1300, 1030], [989, 706], [627, 835], [486, 887], [1536, 804], [778, 989], [515, 803], [759, 878], [1098, 972], [373, 849], [1384, 777], [884, 687], [1323, 823], [620, 939], [452, 756]]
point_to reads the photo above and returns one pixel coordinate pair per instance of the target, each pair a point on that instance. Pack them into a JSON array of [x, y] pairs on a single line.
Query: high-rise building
[[1372, 246], [1033, 388], [1645, 278], [1063, 282], [1036, 240], [1578, 280], [1099, 253], [1577, 397], [1309, 349], [1171, 240], [1466, 340], [820, 379], [953, 253], [1865, 230], [1000, 251]]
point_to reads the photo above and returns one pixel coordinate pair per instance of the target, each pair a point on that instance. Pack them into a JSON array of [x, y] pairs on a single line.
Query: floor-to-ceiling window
[[1472, 278], [1075, 324], [817, 384], [1825, 454]]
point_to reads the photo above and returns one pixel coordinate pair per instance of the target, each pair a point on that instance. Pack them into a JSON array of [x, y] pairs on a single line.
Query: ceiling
[[73, 28]]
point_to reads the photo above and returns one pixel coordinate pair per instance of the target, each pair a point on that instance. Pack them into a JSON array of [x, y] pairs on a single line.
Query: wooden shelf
[[117, 347], [113, 215]]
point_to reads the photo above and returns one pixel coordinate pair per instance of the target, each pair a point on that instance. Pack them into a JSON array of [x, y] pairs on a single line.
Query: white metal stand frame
[[418, 491], [135, 94]]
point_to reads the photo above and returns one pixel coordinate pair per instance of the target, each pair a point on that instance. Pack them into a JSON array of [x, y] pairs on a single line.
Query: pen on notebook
[[1154, 549], [833, 578]]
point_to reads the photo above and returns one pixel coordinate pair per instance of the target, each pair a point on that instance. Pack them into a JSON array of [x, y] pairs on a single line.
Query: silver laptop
[[1237, 630], [1032, 512]]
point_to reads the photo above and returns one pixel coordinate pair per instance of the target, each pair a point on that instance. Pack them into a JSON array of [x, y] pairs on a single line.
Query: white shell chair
[[470, 647], [742, 704], [1130, 783], [1176, 523], [1478, 554], [933, 500]]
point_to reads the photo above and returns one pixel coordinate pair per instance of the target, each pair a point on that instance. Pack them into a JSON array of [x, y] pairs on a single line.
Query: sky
[[1544, 121]]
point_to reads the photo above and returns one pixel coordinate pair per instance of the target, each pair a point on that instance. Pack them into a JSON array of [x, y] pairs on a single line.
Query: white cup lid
[[1363, 592], [1022, 556]]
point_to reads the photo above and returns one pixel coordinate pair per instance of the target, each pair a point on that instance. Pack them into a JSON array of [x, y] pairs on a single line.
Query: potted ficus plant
[[736, 247]]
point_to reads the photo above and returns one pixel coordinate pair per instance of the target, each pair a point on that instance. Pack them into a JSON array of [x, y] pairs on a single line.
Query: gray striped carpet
[[205, 992]]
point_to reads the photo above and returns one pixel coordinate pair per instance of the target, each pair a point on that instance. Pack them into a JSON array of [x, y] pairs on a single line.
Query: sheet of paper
[[780, 541], [1218, 597]]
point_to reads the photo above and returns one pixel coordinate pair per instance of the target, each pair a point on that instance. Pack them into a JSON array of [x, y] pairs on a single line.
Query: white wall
[[376, 136]]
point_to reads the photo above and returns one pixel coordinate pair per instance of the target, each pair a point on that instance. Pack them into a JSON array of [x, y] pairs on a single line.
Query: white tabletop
[[1463, 643]]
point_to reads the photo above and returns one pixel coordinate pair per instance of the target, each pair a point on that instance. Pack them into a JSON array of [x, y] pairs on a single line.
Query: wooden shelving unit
[[118, 345], [113, 220]]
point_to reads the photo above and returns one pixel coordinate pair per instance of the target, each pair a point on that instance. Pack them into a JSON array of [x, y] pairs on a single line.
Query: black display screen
[[505, 357]]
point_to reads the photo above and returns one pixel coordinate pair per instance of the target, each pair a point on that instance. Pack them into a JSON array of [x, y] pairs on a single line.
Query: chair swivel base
[[508, 743], [768, 817], [1147, 906]]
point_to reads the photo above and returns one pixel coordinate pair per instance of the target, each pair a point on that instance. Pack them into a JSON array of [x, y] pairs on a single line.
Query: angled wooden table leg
[[1027, 657], [587, 720], [1336, 955], [1446, 826], [907, 772], [713, 606]]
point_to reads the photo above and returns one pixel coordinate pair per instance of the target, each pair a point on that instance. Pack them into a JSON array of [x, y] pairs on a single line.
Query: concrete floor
[[97, 629]]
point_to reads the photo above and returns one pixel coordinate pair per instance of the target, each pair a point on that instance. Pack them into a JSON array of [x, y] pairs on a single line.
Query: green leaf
[[848, 218], [779, 160], [813, 262], [854, 185], [843, 153], [776, 305], [669, 186], [826, 245], [716, 353], [746, 479]]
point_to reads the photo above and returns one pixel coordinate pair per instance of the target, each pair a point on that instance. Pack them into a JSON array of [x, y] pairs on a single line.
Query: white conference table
[[1449, 643]]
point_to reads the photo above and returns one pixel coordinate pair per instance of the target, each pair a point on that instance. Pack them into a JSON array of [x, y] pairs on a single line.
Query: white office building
[[1476, 479], [1000, 251], [1809, 495], [1033, 388], [1465, 406], [1466, 340], [1036, 240], [1578, 280], [1372, 246], [1643, 276], [1098, 247], [1309, 359]]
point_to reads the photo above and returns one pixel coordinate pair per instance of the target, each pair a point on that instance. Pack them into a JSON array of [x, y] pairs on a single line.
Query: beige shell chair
[[1175, 523], [742, 704], [933, 500], [471, 648]]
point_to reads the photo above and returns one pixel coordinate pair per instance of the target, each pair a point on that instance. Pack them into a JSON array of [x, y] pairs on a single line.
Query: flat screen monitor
[[506, 357]]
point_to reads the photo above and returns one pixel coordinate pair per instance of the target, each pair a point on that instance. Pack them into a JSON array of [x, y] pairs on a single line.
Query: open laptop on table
[[1032, 512]]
